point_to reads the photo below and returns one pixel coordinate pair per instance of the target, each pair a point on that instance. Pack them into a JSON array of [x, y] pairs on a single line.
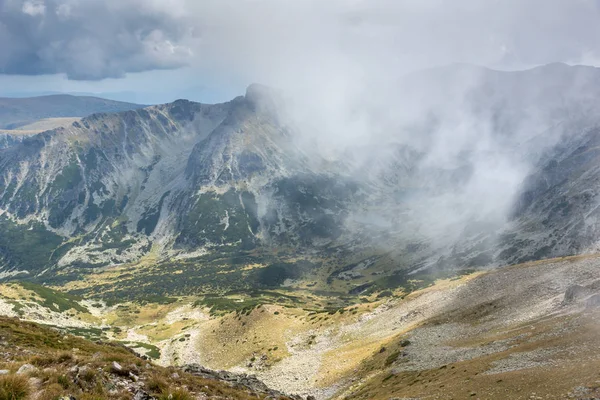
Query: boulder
[[141, 395], [575, 293], [593, 301], [26, 369]]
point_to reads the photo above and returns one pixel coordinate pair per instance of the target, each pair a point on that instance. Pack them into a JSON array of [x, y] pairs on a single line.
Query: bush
[[13, 387]]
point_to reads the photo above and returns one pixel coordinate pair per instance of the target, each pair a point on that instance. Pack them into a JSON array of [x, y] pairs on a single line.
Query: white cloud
[[34, 7]]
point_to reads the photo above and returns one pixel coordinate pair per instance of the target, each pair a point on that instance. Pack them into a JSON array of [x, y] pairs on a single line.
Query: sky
[[153, 51]]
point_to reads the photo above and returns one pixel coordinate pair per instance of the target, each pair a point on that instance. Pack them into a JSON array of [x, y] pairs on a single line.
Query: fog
[[397, 91]]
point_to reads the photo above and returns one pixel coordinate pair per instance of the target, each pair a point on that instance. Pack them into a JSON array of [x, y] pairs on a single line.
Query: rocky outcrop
[[244, 381]]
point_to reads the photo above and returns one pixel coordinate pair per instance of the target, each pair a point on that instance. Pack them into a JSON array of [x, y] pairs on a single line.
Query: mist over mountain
[[459, 175]]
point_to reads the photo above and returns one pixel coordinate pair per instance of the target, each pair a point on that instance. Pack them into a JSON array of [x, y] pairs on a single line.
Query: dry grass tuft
[[14, 387], [157, 384], [179, 394]]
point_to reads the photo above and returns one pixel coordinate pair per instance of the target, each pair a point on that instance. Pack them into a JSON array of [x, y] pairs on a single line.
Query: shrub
[[13, 387]]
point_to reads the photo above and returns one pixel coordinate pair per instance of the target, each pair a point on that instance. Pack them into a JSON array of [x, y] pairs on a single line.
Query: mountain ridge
[[231, 179]]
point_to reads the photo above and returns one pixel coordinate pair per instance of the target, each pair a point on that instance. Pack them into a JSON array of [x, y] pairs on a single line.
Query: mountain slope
[[556, 213], [47, 362], [108, 188]]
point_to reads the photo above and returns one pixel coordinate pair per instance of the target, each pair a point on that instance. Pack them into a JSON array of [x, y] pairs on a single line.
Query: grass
[[14, 387], [180, 394], [68, 365], [27, 246], [153, 351], [55, 300]]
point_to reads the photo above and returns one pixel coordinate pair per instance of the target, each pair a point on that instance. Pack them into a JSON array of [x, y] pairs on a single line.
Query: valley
[[491, 333]]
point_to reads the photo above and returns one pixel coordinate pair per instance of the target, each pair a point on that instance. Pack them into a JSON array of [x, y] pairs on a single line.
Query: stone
[[574, 293], [593, 301], [26, 369], [141, 395]]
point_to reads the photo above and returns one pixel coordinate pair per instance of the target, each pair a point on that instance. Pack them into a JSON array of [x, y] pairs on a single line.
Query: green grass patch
[[153, 351], [55, 300]]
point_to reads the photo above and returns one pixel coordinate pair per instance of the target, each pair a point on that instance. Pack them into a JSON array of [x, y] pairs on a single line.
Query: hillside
[[514, 332], [46, 363]]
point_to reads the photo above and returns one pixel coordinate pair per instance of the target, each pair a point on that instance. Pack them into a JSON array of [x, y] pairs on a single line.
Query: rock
[[250, 382], [141, 395], [593, 301], [36, 383], [175, 375], [117, 367], [4, 371], [311, 398], [574, 293], [26, 369]]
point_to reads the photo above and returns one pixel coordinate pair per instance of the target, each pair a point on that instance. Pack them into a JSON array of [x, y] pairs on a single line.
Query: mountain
[[174, 179], [199, 188], [224, 235], [15, 112]]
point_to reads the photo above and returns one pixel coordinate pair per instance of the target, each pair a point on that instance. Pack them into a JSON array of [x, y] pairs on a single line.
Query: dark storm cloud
[[253, 39], [89, 39]]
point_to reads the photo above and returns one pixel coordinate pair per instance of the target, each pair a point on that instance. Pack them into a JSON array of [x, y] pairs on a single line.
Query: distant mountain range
[[15, 112]]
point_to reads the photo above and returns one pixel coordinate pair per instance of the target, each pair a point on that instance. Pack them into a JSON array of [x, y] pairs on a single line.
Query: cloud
[[91, 39], [34, 7], [95, 39]]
